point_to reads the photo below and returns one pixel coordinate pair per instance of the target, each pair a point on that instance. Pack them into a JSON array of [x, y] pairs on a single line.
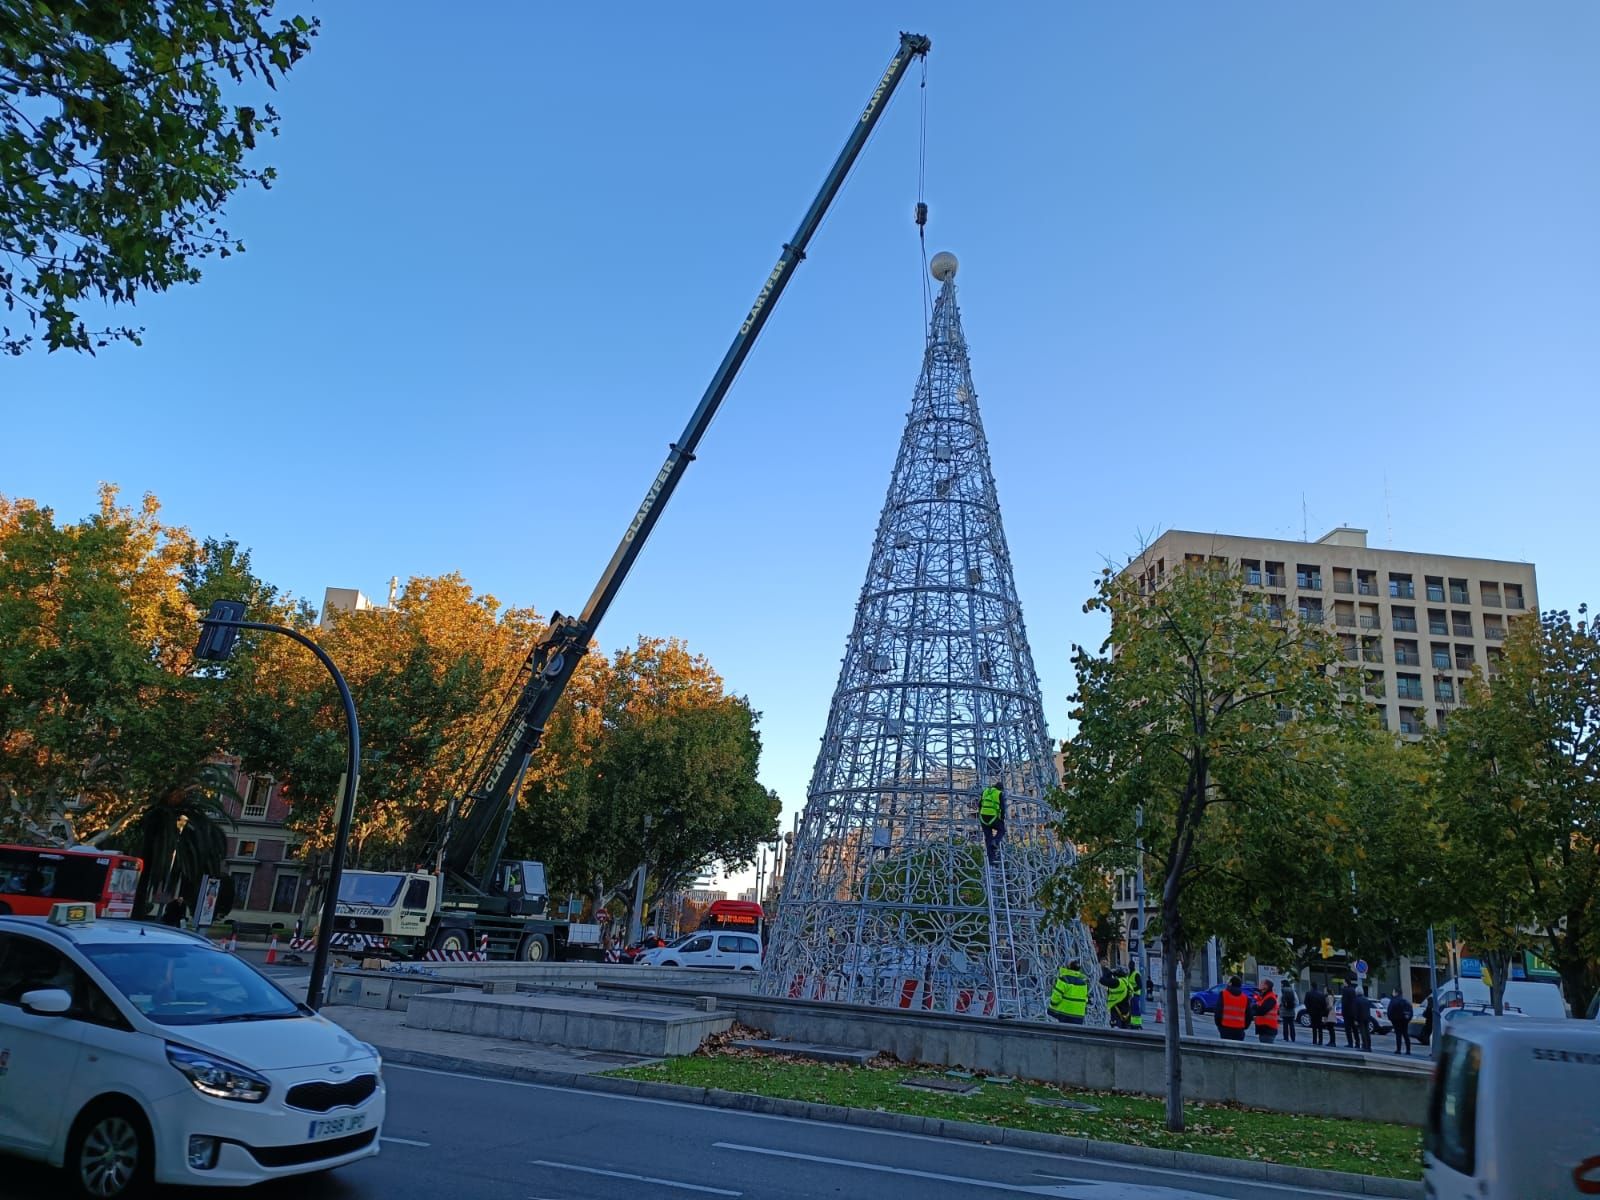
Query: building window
[[1367, 583], [1437, 625], [256, 797], [1406, 654], [1490, 594], [1444, 690], [1493, 629], [1311, 611], [1308, 577], [1405, 619], [1461, 624], [241, 887], [1514, 595], [1369, 618], [1441, 656], [285, 889], [1252, 571], [1436, 589], [1458, 592], [1408, 687], [246, 849], [1410, 721], [1275, 576], [1401, 587], [1464, 658], [1371, 650], [1342, 582]]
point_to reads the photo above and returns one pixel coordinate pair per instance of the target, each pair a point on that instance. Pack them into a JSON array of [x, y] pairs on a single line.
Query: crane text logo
[[755, 311], [894, 65]]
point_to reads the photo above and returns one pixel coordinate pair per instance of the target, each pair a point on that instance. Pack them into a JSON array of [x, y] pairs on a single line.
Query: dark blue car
[[1207, 999]]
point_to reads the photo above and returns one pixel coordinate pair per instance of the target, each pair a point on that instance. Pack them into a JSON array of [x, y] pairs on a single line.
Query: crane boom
[[484, 811]]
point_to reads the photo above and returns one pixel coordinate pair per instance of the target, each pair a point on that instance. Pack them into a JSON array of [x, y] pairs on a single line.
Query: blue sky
[[1216, 261]]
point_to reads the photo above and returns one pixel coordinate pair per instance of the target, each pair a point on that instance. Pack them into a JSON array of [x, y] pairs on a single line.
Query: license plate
[[337, 1126]]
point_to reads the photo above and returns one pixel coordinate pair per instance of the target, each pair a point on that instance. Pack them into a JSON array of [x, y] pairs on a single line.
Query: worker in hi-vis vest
[[1069, 998], [992, 816]]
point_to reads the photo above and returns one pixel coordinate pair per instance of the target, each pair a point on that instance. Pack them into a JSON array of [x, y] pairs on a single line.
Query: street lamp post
[[219, 633], [1138, 892]]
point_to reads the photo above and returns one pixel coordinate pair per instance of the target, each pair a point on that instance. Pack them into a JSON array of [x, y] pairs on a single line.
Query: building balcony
[[1406, 693], [1309, 583], [1407, 660], [1435, 594], [1407, 725], [1367, 588], [1274, 580], [1312, 616], [1253, 577], [1405, 624], [1491, 601], [1513, 601], [1438, 629], [1462, 630], [1402, 591], [1441, 662], [1343, 585], [1494, 633], [1459, 597], [1345, 620], [1374, 656]]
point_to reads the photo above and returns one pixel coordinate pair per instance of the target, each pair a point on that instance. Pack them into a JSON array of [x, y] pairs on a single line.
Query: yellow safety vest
[[989, 810], [1070, 996]]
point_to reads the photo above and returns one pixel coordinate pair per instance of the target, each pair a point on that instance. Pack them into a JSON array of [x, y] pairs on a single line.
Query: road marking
[[671, 1183], [885, 1169], [405, 1141], [868, 1131]]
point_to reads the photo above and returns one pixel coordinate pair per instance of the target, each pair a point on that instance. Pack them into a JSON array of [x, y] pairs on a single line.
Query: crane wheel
[[535, 948]]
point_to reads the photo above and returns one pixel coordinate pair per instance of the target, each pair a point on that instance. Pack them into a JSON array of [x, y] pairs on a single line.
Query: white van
[[1485, 1140], [1524, 997]]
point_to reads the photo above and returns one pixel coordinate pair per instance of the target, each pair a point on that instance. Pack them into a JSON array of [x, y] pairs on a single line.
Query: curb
[[966, 1131]]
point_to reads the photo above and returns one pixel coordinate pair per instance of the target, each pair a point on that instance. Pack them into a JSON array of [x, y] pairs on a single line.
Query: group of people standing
[[1069, 997]]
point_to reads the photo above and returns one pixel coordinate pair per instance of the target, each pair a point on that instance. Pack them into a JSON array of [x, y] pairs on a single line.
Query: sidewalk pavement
[[386, 1029]]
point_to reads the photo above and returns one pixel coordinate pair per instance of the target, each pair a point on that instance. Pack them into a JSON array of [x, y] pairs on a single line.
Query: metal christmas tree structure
[[890, 898]]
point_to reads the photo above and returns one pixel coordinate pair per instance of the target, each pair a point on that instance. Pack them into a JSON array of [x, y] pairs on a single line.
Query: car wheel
[[1197, 1006], [109, 1155], [534, 948], [747, 968], [453, 941], [671, 963], [1303, 1020]]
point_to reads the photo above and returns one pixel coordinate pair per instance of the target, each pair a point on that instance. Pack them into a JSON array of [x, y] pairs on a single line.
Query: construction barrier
[[456, 956], [911, 989]]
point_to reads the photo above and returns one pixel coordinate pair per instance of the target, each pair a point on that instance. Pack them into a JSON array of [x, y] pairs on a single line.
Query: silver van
[[1515, 1111]]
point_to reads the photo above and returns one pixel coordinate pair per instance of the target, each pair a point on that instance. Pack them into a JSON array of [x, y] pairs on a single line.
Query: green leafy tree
[[119, 148], [109, 730], [1520, 803], [1209, 713], [661, 771]]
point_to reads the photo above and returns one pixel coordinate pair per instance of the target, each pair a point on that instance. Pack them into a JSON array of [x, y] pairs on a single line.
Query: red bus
[[32, 878], [743, 915]]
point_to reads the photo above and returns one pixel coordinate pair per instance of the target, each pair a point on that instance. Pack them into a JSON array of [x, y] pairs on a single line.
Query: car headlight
[[374, 1051], [217, 1077]]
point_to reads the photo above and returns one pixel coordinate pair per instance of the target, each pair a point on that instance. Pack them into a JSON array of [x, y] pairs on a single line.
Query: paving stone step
[[811, 1050]]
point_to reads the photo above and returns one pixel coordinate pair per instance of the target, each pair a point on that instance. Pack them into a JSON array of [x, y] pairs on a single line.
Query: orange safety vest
[[1235, 1009], [1267, 1010]]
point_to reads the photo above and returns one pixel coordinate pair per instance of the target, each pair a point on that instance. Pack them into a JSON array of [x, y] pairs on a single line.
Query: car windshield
[[380, 891], [179, 983]]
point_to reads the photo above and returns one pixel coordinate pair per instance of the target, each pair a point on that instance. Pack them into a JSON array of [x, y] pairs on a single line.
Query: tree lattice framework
[[891, 899]]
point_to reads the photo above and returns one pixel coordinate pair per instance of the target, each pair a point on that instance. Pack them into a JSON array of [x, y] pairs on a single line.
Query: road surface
[[451, 1135]]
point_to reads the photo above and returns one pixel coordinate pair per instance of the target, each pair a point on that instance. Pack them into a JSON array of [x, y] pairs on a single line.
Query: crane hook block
[[922, 213]]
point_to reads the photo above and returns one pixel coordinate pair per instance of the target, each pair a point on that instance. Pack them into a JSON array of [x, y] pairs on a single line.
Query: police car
[[134, 1054]]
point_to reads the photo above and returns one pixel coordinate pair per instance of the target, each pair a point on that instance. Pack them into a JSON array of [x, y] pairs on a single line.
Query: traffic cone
[[1161, 1015], [272, 951], [233, 943]]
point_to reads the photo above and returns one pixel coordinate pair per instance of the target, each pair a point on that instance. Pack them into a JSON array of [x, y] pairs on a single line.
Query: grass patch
[[1363, 1147]]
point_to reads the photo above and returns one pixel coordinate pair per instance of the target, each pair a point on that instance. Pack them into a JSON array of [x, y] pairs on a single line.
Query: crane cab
[[518, 888]]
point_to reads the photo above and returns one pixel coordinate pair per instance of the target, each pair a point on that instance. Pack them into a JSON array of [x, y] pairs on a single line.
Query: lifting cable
[[922, 205]]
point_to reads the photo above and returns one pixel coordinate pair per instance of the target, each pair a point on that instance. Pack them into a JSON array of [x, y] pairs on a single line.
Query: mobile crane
[[472, 895]]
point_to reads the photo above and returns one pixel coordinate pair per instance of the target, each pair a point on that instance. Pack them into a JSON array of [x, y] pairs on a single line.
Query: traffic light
[[1327, 947], [217, 641]]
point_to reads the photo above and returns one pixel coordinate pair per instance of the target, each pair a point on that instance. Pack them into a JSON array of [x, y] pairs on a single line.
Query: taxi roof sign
[[72, 914]]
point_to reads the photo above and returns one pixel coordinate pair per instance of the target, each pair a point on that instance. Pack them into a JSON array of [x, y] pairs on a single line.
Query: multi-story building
[[354, 600], [269, 878], [1415, 625]]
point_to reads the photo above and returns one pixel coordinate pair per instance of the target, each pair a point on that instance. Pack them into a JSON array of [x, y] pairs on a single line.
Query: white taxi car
[[718, 951], [134, 1054]]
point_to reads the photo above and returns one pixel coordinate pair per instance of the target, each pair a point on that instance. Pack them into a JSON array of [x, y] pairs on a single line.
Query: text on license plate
[[334, 1126]]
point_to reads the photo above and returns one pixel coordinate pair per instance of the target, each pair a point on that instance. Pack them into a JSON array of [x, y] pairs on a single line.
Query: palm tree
[[183, 835]]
